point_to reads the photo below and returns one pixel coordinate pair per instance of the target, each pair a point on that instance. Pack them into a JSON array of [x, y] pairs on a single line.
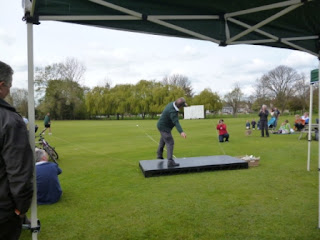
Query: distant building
[[227, 110]]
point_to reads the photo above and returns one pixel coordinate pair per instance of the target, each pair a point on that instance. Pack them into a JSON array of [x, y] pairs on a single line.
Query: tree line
[[59, 92]]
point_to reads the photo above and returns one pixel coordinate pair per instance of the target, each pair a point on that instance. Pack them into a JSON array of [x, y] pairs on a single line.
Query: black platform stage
[[157, 167]]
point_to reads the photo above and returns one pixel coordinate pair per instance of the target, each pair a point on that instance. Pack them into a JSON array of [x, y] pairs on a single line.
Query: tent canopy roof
[[293, 24]]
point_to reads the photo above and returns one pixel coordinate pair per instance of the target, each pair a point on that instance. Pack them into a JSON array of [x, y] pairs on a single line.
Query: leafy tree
[[302, 92], [121, 97], [143, 97], [159, 93], [71, 70], [280, 84], [234, 99], [60, 91], [18, 98], [209, 99], [64, 100], [179, 81], [295, 104], [95, 101]]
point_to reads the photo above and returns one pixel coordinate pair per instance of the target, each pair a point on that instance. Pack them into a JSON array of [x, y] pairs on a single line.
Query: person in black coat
[[263, 114], [16, 163]]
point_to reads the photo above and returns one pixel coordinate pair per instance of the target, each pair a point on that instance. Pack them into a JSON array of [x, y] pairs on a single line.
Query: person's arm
[[59, 170], [18, 158], [175, 119]]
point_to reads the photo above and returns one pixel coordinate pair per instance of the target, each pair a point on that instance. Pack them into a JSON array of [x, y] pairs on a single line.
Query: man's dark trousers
[[224, 136], [264, 126], [11, 228], [166, 139]]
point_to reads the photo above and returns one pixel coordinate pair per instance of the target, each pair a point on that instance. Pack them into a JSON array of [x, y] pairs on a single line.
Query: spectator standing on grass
[[48, 185], [263, 114], [47, 123], [223, 133], [276, 115], [16, 163], [169, 119]]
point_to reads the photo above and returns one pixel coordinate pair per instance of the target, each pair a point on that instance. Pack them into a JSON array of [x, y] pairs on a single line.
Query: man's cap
[[183, 101]]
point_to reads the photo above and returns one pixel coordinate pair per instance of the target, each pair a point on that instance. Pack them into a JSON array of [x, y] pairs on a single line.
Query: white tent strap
[[273, 38], [126, 17], [155, 20], [264, 8], [264, 22]]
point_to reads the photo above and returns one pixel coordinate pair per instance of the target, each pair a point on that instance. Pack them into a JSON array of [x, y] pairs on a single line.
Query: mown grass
[[105, 195]]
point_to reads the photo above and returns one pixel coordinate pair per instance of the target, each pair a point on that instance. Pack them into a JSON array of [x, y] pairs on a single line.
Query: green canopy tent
[[292, 24]]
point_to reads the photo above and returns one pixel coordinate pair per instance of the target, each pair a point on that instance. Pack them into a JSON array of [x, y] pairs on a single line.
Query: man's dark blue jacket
[[48, 185]]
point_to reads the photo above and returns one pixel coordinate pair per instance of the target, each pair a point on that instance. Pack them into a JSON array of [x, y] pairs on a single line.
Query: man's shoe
[[160, 158], [172, 163]]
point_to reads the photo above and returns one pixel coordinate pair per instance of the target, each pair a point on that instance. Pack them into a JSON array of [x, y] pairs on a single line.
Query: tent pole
[[319, 141], [310, 124], [31, 115]]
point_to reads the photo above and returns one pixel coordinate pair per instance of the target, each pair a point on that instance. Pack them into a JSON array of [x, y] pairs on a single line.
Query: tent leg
[[310, 122], [31, 114]]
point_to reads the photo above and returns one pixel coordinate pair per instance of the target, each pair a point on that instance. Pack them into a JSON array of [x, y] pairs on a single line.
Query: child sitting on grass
[[284, 128], [247, 124], [253, 123]]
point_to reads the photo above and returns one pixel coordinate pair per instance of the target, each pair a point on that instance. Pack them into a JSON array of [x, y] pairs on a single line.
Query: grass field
[[105, 195]]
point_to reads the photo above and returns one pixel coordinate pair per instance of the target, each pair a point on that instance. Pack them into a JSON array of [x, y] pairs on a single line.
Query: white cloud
[[6, 37], [300, 61]]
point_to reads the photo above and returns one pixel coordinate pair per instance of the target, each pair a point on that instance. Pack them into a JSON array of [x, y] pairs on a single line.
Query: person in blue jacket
[[48, 185]]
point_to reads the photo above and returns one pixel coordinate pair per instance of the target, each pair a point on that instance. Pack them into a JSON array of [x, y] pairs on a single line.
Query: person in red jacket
[[223, 134]]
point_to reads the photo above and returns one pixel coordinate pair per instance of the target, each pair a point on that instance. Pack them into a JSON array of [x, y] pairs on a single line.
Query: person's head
[[41, 155], [306, 114], [221, 121], [6, 73], [286, 121], [181, 102], [48, 114], [297, 116], [264, 107], [247, 121]]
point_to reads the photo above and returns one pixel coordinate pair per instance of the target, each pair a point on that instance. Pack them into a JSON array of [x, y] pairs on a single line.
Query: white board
[[194, 112]]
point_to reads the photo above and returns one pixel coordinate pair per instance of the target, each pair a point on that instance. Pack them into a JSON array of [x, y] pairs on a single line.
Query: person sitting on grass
[[247, 124], [284, 128], [48, 185], [223, 134], [253, 123], [299, 123]]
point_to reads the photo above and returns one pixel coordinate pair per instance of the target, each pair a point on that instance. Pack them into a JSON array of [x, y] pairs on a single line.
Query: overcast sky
[[124, 57]]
